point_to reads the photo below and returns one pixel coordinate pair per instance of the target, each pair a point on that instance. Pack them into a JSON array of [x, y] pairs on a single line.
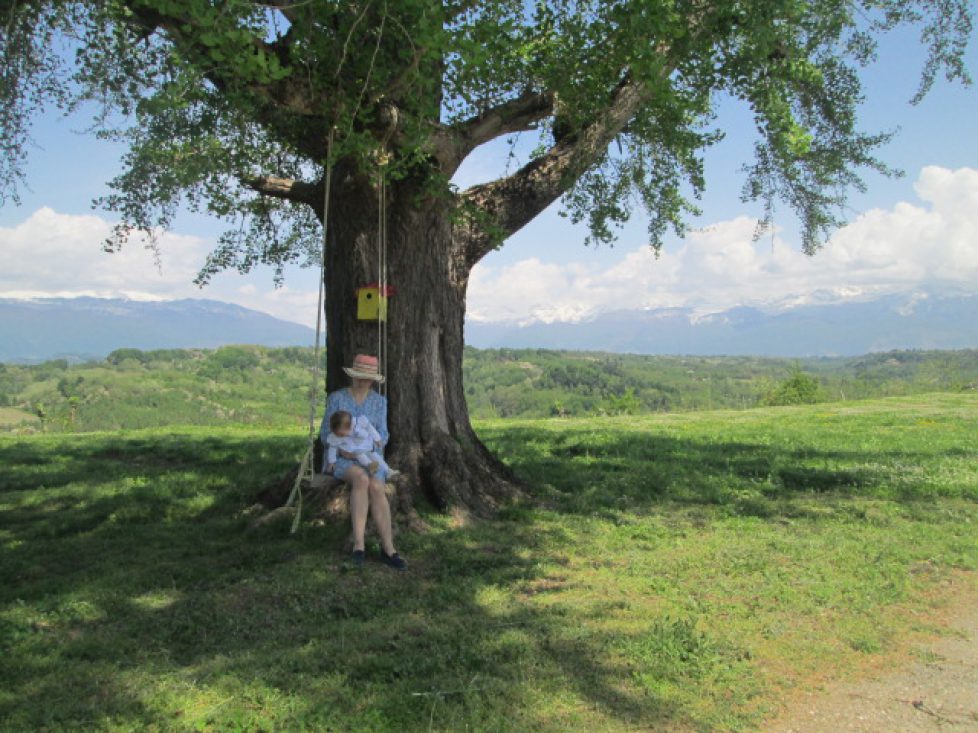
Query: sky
[[916, 233]]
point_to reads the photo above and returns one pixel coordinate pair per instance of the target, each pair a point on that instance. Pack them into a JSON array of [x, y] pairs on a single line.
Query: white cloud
[[292, 304], [58, 253], [50, 254], [721, 266]]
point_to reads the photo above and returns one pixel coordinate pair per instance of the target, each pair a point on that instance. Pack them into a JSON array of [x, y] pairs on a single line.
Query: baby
[[358, 437]]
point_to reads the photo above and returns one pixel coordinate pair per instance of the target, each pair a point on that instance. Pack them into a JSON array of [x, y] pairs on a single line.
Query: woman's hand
[[347, 455]]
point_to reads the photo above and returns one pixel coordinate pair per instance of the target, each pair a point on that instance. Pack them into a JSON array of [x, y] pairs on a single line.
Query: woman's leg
[[359, 482], [380, 510]]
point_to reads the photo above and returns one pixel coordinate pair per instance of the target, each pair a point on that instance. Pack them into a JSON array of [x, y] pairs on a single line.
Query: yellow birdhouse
[[372, 302]]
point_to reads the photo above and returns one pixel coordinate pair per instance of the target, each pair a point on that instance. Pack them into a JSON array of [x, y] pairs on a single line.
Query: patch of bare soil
[[933, 687]]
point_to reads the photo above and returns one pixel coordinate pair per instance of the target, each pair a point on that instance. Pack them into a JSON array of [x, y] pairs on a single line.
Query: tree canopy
[[226, 107]]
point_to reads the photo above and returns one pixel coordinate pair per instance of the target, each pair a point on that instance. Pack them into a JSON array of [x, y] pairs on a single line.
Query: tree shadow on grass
[[580, 472], [147, 604], [94, 459]]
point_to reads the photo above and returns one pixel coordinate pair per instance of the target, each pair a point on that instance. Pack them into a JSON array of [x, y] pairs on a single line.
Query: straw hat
[[364, 367]]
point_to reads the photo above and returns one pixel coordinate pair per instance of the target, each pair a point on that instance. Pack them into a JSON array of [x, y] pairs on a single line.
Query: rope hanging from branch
[[382, 267], [307, 468]]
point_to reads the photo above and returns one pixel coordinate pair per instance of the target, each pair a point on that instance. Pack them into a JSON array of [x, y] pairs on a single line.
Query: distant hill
[[83, 328], [918, 320], [259, 385]]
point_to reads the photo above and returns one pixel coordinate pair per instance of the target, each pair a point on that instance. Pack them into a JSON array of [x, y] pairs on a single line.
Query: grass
[[12, 417], [682, 572]]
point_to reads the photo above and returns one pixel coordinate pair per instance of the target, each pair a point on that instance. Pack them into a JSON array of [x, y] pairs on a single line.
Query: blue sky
[[919, 231]]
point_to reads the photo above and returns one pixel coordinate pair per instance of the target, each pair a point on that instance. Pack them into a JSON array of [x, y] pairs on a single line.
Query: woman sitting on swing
[[367, 491]]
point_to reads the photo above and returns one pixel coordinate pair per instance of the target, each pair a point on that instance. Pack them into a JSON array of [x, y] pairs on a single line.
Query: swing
[[308, 474]]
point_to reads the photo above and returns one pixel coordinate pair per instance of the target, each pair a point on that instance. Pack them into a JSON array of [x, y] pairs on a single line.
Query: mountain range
[[87, 328], [914, 320]]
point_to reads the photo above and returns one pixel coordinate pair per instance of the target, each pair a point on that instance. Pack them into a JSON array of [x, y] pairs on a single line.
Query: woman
[[366, 491]]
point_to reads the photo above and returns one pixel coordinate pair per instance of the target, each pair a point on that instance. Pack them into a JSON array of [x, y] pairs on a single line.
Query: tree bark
[[432, 440]]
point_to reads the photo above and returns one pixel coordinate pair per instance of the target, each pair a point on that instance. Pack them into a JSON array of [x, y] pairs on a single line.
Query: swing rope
[[382, 271], [307, 468]]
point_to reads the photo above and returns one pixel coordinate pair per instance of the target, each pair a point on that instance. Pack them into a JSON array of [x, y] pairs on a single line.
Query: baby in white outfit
[[356, 436]]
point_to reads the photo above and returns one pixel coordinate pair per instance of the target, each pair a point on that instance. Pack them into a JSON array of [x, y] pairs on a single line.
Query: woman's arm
[[379, 419], [371, 431]]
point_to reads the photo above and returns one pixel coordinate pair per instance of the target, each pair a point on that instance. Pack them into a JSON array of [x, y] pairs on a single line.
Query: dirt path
[[937, 690]]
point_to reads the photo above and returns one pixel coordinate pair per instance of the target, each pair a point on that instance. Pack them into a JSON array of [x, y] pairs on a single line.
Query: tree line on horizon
[[262, 386]]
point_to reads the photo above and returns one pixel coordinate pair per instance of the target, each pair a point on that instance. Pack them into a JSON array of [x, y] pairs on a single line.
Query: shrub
[[798, 389], [120, 355]]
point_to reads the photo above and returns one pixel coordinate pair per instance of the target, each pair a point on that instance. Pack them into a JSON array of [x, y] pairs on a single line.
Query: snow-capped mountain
[[914, 320]]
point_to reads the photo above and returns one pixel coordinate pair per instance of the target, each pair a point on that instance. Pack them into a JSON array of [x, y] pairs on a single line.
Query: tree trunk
[[432, 440]]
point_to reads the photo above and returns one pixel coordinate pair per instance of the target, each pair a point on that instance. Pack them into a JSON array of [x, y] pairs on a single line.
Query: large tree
[[230, 107]]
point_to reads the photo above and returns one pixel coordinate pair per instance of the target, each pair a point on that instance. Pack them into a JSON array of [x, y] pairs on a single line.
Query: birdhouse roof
[[388, 289]]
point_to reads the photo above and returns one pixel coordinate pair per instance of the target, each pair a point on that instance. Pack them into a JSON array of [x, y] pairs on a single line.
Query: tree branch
[[285, 188], [504, 206], [285, 7], [453, 143], [289, 95]]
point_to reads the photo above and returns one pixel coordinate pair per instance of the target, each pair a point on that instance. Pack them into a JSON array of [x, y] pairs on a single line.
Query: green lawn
[[681, 572]]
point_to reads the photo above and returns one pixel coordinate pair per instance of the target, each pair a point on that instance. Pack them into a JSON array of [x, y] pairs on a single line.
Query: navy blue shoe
[[357, 558], [394, 561]]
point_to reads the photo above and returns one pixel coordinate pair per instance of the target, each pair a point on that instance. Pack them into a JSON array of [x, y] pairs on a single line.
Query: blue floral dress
[[374, 407]]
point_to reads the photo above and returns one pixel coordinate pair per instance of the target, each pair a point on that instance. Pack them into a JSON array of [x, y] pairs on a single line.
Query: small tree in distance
[[798, 389], [228, 107]]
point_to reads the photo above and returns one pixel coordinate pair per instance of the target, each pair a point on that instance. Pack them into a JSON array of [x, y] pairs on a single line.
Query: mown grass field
[[680, 572]]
